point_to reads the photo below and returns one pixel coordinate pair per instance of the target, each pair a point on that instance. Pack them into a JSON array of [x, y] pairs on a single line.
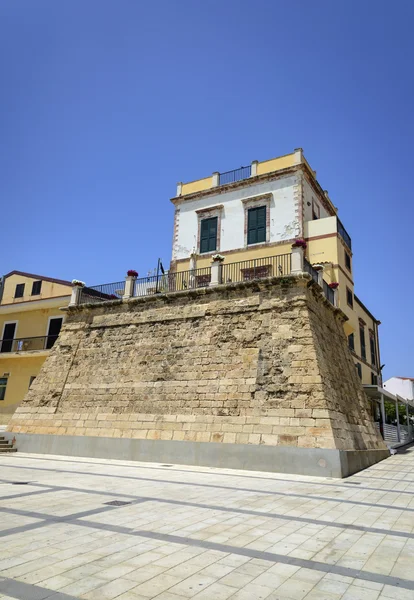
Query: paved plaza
[[95, 529]]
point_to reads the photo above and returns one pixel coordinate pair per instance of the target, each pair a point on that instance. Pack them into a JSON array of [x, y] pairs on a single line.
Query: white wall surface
[[283, 220], [309, 194], [402, 387]]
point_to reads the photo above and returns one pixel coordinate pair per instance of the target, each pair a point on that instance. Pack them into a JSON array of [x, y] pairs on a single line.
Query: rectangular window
[[55, 326], [372, 348], [362, 339], [256, 225], [316, 211], [3, 385], [36, 287], [349, 297], [359, 369], [208, 235], [347, 260], [19, 293], [351, 341], [374, 379]]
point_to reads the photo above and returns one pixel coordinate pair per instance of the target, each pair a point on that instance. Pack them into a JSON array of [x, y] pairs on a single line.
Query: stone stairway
[[6, 446]]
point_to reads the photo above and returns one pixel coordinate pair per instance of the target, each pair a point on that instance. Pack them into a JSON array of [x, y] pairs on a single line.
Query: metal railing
[[257, 268], [235, 175], [173, 282], [329, 293], [29, 344], [344, 234], [309, 269], [147, 286], [246, 270], [102, 293], [392, 436]]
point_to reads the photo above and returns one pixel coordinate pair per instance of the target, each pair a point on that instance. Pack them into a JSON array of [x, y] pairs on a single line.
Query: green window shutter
[[256, 225], [208, 235]]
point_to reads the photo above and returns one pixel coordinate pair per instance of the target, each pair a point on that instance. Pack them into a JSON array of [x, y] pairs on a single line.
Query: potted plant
[[333, 285], [299, 243], [132, 273], [218, 258]]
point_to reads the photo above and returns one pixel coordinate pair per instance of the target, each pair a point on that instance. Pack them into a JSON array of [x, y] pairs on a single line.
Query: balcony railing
[[147, 286], [309, 269], [344, 235], [258, 268], [235, 175], [247, 270], [29, 344]]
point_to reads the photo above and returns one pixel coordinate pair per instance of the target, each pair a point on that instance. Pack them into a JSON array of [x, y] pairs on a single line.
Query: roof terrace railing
[[235, 175], [344, 235]]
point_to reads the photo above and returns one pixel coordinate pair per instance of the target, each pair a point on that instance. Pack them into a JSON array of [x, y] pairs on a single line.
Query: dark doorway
[[55, 326], [8, 335]]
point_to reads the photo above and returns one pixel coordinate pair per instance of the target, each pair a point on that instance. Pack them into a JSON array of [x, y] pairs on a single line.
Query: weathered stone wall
[[253, 363]]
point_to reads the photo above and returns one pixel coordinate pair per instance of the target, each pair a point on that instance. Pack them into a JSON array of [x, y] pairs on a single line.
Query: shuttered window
[[208, 235], [19, 293], [36, 288], [256, 225], [362, 339], [372, 348]]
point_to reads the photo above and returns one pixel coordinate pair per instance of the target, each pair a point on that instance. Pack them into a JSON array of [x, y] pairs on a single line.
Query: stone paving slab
[[179, 532]]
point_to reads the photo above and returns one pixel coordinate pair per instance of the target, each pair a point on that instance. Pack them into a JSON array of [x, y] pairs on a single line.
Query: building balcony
[[28, 344], [325, 227]]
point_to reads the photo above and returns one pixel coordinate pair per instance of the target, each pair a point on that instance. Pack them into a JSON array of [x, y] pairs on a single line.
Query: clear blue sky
[[106, 104]]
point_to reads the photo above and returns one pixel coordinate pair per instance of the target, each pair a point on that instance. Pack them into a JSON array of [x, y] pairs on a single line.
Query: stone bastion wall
[[255, 364]]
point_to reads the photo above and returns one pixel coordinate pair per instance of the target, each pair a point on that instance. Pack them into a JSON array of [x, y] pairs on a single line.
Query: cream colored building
[[252, 216], [30, 321]]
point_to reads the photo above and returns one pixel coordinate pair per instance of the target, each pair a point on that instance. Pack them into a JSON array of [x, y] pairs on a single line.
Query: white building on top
[[401, 386]]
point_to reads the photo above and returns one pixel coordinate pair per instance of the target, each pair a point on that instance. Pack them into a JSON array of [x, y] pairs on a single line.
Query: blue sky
[[105, 105]]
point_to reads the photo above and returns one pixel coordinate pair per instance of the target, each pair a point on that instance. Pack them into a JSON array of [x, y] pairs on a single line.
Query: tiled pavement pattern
[[203, 533]]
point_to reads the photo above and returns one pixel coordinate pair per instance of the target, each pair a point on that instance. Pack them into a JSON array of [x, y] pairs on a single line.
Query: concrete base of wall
[[277, 459]]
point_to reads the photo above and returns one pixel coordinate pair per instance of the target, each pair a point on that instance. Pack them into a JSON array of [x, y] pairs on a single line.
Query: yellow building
[[251, 217], [30, 321]]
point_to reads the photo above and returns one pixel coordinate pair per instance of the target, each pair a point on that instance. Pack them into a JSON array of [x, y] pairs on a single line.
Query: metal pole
[[158, 272], [398, 421], [408, 421], [383, 416]]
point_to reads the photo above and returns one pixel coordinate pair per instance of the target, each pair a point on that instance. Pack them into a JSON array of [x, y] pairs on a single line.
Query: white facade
[[404, 387], [284, 222], [312, 201]]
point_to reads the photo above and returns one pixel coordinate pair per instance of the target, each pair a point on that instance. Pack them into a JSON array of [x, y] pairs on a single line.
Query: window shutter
[[208, 235], [256, 225]]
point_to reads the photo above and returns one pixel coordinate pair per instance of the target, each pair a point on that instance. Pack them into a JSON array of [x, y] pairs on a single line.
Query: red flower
[[132, 273], [333, 285], [299, 244]]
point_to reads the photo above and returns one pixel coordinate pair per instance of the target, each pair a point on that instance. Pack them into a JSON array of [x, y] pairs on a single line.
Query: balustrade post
[[297, 259], [253, 170], [216, 272], [319, 269], [215, 179], [129, 287], [76, 292]]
